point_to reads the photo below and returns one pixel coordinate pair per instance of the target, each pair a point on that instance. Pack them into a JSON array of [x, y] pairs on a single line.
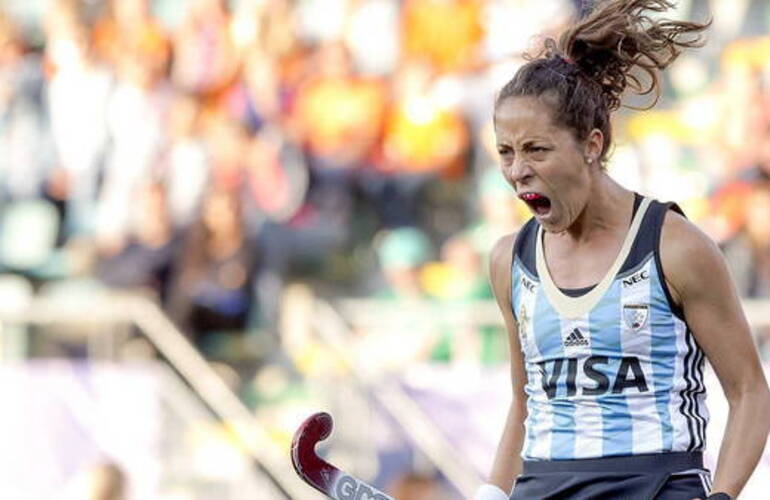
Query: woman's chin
[[550, 222], [544, 218]]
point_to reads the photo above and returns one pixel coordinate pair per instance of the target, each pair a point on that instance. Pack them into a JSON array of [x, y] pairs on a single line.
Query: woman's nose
[[520, 172]]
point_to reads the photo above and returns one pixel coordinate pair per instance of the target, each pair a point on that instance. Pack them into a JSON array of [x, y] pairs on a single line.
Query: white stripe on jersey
[[645, 420], [542, 427], [539, 408], [525, 315], [701, 407], [588, 414], [695, 408], [679, 422]]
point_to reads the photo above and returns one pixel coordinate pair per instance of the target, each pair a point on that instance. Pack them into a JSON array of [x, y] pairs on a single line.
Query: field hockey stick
[[319, 473]]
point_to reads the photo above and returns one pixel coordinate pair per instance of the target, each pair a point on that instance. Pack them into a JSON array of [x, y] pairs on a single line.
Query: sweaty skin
[[589, 217]]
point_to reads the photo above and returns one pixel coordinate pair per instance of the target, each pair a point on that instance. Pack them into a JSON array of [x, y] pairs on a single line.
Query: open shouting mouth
[[538, 203]]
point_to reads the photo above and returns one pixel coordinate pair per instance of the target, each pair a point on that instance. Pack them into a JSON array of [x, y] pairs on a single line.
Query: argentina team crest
[[635, 315]]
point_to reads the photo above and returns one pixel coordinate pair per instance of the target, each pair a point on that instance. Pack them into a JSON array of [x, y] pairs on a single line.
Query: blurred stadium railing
[[209, 445]]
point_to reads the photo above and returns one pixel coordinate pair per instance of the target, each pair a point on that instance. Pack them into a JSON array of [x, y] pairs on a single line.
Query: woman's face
[[544, 163]]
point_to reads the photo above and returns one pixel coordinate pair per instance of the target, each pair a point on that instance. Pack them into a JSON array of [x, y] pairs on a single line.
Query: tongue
[[541, 205]]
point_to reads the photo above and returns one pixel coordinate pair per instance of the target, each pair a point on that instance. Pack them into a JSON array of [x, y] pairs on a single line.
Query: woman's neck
[[609, 208]]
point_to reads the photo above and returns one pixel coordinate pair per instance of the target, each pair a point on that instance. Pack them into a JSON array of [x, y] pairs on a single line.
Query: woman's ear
[[593, 146]]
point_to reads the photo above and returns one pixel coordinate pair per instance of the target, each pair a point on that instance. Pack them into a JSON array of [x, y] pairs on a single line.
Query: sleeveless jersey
[[613, 371]]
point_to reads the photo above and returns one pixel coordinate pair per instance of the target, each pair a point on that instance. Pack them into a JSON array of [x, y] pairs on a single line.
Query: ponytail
[[593, 63]]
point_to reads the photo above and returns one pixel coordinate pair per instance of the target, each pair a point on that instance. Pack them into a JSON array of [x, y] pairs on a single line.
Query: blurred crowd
[[212, 155], [211, 152]]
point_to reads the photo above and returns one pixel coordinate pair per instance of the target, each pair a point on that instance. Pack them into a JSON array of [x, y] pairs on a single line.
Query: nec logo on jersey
[[528, 284], [635, 278], [575, 339]]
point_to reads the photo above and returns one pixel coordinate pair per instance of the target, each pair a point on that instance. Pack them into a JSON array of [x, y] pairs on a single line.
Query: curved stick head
[[312, 468], [319, 473]]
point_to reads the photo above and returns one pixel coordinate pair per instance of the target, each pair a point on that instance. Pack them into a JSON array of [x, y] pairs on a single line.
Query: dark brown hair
[[584, 74]]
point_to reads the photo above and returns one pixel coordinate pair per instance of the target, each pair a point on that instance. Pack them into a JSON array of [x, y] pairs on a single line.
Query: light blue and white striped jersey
[[612, 370]]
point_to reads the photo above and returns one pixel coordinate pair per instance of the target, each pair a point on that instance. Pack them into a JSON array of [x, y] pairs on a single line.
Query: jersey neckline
[[574, 307]]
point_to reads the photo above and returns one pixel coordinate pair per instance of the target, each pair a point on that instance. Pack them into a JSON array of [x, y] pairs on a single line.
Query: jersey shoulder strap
[[658, 225], [525, 245], [647, 241]]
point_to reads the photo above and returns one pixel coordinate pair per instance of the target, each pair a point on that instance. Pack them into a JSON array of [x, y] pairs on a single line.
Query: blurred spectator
[[746, 112], [402, 253], [459, 279], [500, 212], [135, 125], [276, 181], [413, 336], [453, 46], [338, 117], [340, 113], [422, 140], [729, 211], [226, 142], [128, 30], [422, 133], [459, 275], [261, 101], [145, 258], [373, 35], [79, 92], [276, 175], [25, 135], [205, 60], [275, 29], [748, 252], [186, 163], [212, 291]]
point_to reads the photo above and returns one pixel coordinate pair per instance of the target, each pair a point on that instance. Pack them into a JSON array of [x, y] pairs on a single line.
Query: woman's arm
[[507, 464], [701, 283]]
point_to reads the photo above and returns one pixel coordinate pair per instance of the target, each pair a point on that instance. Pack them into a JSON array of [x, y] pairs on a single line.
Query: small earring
[[589, 160]]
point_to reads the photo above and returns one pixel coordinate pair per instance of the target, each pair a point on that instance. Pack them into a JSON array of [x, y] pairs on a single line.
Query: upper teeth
[[530, 196]]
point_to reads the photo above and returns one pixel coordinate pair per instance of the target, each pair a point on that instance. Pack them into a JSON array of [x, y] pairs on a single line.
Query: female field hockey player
[[612, 300]]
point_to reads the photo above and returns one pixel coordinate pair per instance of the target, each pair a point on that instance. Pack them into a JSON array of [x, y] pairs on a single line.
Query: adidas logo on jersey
[[575, 338]]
